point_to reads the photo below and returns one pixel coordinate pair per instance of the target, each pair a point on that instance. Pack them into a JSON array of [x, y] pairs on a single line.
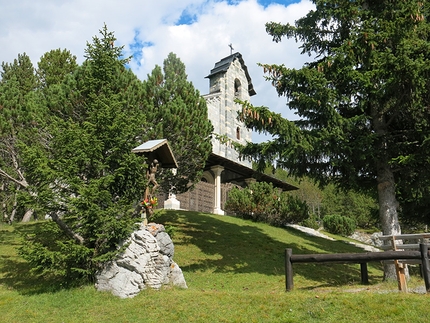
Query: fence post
[[288, 270], [425, 265], [364, 273]]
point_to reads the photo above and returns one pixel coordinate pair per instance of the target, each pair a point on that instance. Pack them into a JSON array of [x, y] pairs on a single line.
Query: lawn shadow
[[15, 272], [235, 248]]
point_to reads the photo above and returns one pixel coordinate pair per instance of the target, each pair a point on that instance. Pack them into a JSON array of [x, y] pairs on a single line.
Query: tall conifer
[[363, 103], [179, 114]]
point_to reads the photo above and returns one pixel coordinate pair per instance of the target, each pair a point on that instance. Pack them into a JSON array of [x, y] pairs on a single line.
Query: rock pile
[[146, 262]]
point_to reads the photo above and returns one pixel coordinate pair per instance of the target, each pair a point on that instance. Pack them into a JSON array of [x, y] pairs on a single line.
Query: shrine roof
[[157, 149]]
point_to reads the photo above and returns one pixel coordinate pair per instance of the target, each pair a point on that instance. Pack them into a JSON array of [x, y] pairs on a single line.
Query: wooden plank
[[408, 246], [400, 270], [401, 277], [356, 257], [405, 236]]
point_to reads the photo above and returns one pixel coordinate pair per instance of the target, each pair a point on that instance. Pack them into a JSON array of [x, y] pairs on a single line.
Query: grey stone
[[166, 244], [146, 262], [176, 276], [375, 239]]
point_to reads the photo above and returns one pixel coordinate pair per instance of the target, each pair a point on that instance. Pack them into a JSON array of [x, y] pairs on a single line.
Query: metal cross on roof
[[231, 48]]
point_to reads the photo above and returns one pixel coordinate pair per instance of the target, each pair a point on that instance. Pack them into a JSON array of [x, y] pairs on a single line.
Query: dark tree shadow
[[248, 249], [16, 273]]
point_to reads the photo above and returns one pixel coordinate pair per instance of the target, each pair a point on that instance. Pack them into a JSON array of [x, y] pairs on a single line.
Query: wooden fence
[[358, 258], [403, 242]]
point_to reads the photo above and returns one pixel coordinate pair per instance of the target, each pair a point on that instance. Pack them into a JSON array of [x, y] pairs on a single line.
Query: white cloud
[[36, 27]]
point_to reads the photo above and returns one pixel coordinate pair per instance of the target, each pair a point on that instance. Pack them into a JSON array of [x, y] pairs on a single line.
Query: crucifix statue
[[158, 154], [149, 199], [231, 48], [150, 176]]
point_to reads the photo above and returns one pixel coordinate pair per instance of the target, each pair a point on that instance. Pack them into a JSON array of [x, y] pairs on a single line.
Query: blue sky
[[266, 3], [188, 17], [197, 31]]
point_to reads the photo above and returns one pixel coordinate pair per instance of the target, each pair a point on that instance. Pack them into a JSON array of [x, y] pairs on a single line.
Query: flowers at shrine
[[150, 203]]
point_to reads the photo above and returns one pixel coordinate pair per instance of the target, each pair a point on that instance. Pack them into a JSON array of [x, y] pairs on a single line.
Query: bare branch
[[67, 230], [23, 183]]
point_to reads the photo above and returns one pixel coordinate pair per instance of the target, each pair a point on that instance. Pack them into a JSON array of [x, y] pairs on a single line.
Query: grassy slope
[[234, 271]]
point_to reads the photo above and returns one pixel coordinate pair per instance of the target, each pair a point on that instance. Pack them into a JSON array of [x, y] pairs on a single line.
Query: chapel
[[228, 80]]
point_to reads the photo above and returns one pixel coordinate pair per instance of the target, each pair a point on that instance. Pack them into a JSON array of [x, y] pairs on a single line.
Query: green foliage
[[355, 205], [362, 103], [339, 224], [52, 255], [360, 206], [54, 66], [178, 113], [311, 222], [261, 202], [82, 169], [21, 110]]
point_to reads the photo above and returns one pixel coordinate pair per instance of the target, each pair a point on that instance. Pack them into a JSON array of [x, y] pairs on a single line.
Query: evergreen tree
[[363, 101], [19, 110], [54, 66], [179, 114], [86, 177]]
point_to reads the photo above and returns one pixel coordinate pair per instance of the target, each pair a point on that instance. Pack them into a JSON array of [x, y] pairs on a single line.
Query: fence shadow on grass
[[245, 247]]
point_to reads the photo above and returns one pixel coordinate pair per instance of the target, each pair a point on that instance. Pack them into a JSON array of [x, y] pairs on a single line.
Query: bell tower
[[229, 80]]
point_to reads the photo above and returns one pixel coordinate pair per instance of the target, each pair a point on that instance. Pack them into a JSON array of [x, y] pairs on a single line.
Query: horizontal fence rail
[[358, 258]]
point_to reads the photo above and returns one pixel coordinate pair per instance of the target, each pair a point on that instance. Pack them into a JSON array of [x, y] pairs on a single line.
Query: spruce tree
[[20, 110], [178, 113], [362, 102], [87, 178]]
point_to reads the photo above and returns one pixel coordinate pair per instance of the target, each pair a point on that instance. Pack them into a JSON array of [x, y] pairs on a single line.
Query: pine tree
[[179, 114], [87, 178], [19, 114], [363, 101], [54, 66]]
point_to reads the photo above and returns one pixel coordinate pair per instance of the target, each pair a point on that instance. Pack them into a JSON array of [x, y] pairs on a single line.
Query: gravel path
[[316, 233]]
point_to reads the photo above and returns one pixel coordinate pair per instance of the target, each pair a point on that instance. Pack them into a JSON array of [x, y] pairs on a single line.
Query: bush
[[339, 224], [262, 202], [311, 222]]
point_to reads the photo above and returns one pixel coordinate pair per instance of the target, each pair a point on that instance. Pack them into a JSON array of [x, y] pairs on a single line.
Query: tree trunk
[[388, 206], [27, 215], [15, 205], [4, 206]]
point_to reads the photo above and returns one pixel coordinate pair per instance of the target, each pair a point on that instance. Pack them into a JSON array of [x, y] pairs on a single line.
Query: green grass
[[235, 273]]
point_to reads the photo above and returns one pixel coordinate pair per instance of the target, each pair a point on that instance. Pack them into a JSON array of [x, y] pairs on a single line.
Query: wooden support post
[[425, 265], [364, 273], [289, 285], [400, 270], [401, 277]]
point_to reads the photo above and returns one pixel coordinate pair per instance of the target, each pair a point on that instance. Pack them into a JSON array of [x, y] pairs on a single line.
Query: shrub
[[311, 222], [262, 202], [339, 224]]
